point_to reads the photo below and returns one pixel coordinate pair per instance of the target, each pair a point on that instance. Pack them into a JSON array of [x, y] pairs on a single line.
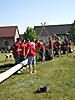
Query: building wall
[[10, 39], [44, 38], [16, 35], [51, 29], [2, 39]]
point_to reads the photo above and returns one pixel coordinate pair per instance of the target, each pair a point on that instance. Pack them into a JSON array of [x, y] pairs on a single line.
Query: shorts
[[59, 49], [67, 49], [31, 60], [43, 54], [50, 51]]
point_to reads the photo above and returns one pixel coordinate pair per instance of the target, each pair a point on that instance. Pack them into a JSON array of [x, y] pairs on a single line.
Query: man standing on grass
[[23, 50], [40, 46], [31, 54], [51, 48], [67, 44], [58, 44], [16, 51]]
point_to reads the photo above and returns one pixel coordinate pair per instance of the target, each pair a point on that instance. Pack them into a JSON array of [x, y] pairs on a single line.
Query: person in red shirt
[[31, 54], [58, 44], [51, 48], [40, 46], [23, 50], [16, 50], [67, 44]]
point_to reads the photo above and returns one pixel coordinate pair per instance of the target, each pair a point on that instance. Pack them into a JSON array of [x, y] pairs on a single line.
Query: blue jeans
[[59, 49], [17, 59], [43, 54]]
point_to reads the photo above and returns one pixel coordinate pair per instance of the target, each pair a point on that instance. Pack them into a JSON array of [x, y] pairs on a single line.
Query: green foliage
[[72, 31], [30, 34], [38, 56]]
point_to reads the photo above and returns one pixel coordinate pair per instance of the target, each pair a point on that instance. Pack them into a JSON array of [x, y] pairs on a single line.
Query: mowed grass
[[59, 74]]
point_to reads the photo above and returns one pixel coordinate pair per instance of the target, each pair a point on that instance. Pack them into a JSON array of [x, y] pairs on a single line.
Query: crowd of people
[[23, 49]]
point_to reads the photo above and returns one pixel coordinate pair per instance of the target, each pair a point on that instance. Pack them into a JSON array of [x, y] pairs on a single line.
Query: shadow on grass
[[37, 91], [5, 67], [16, 73]]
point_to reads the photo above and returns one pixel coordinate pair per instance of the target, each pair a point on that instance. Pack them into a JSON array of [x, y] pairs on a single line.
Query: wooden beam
[[43, 27], [11, 71]]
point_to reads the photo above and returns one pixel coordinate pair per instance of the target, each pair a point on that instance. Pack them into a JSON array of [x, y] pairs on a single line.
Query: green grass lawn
[[59, 74]]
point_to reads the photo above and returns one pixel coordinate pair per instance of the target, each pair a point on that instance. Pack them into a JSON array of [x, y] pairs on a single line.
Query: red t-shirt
[[31, 48], [41, 46], [23, 49], [16, 46], [50, 44], [67, 43], [58, 43]]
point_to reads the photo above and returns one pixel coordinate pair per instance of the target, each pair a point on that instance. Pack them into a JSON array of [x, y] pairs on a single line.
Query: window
[[6, 43]]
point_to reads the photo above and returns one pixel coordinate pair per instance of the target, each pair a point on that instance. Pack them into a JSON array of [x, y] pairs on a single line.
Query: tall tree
[[30, 34], [72, 31]]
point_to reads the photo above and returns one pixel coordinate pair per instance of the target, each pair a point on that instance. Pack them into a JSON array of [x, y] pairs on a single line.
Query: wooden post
[[43, 27]]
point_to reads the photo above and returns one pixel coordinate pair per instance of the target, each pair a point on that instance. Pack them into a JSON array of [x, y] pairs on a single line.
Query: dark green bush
[[38, 56]]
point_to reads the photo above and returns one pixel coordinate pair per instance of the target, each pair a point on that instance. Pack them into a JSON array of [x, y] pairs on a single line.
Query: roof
[[8, 31], [53, 29]]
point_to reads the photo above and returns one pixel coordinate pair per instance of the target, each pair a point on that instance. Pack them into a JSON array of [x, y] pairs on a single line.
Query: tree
[[30, 34], [72, 31]]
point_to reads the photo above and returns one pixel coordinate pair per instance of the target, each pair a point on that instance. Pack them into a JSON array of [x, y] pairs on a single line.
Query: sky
[[24, 13]]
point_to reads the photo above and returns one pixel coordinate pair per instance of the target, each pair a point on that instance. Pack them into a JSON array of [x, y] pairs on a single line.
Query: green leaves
[[72, 31], [30, 34]]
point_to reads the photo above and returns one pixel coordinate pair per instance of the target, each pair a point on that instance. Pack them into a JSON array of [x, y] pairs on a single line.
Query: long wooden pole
[[11, 71], [43, 27], [56, 36]]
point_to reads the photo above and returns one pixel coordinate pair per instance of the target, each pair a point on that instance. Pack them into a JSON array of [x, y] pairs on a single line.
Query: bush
[[38, 56]]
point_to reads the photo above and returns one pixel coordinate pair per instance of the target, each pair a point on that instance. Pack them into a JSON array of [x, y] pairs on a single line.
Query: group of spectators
[[23, 49]]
